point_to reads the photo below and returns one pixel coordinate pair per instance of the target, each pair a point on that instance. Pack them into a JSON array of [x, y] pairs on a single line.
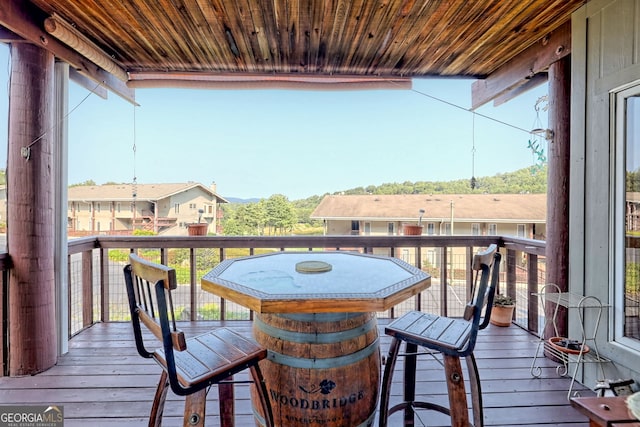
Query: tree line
[[277, 215]]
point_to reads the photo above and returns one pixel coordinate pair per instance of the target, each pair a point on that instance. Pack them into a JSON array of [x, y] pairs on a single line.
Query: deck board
[[103, 382]]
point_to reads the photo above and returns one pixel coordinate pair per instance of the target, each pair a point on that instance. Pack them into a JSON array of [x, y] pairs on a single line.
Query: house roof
[[438, 207], [124, 192], [256, 42]]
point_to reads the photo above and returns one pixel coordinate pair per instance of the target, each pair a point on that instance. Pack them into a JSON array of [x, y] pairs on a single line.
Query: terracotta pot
[[197, 229], [411, 230], [501, 315]]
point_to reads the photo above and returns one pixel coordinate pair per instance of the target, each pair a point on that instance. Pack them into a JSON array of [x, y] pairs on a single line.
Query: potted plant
[[413, 229], [198, 228], [502, 311]]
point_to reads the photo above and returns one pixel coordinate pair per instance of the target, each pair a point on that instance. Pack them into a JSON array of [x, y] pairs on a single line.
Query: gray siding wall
[[605, 57]]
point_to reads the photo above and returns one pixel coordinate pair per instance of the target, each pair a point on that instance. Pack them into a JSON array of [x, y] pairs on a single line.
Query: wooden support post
[[87, 288], [30, 212], [532, 287], [557, 251]]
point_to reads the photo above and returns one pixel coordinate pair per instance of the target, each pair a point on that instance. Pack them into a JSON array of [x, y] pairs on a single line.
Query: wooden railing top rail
[[536, 247]]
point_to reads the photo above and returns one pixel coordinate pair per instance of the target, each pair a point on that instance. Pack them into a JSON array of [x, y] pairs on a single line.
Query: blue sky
[[297, 143]]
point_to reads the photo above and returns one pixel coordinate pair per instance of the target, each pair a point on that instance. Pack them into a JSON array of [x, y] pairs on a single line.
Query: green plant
[[501, 300]]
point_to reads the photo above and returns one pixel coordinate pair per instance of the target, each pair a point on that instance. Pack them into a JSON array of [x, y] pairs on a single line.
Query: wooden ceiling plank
[[427, 52], [414, 38], [345, 11], [16, 16], [262, 16], [520, 69], [355, 45], [372, 36], [403, 32], [245, 29], [316, 34], [483, 30], [228, 45]]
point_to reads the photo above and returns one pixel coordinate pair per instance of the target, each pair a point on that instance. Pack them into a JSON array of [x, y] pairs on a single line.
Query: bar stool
[[453, 338], [189, 366]]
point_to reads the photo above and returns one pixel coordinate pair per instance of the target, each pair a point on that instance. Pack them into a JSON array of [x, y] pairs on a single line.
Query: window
[[431, 257], [522, 230], [176, 208], [98, 207], [367, 228], [475, 229], [493, 229], [192, 206], [355, 227], [391, 228], [447, 229], [118, 206], [627, 214], [78, 207], [431, 229], [90, 205]]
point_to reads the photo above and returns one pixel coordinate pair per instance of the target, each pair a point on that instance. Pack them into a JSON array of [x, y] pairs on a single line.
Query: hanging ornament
[[536, 146]]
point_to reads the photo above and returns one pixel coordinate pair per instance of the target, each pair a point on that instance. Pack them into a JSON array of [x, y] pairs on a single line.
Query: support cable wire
[[473, 152], [468, 110], [55, 125], [134, 184]]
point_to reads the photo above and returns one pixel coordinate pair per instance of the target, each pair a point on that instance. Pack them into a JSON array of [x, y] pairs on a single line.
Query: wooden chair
[[189, 366], [453, 338]]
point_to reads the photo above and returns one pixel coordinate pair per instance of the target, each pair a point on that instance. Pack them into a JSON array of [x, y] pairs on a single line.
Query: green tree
[[281, 215], [85, 183]]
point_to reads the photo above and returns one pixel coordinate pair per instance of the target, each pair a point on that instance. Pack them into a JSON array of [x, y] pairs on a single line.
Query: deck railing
[[97, 291]]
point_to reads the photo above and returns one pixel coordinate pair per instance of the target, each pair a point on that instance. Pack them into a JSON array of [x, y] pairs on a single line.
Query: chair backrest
[[149, 287], [486, 267]]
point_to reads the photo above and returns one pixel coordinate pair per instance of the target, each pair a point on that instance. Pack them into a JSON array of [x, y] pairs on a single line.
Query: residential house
[[161, 208], [521, 215]]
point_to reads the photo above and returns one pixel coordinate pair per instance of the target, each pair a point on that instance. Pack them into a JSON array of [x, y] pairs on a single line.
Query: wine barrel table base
[[321, 369]]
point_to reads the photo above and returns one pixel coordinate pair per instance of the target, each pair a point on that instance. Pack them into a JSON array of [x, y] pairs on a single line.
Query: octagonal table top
[[316, 282]]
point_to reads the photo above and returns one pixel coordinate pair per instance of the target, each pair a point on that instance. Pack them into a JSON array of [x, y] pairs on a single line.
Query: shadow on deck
[[103, 382]]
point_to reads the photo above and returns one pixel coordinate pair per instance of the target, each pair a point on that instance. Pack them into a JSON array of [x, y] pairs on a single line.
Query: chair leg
[[262, 393], [157, 408], [476, 391], [386, 382], [457, 394], [226, 398], [195, 409], [410, 362]]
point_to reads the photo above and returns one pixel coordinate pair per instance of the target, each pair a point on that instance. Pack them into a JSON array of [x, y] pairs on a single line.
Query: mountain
[[242, 201]]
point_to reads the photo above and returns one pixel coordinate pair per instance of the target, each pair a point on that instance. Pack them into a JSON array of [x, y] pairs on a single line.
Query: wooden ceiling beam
[[8, 36], [521, 70], [28, 22], [87, 83], [535, 81], [204, 80]]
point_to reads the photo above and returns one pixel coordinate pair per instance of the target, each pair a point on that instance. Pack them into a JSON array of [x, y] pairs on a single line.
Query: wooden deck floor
[[103, 382]]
